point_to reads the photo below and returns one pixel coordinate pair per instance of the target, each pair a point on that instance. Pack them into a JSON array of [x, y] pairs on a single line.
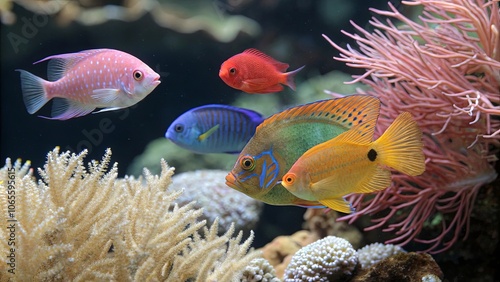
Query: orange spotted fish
[[81, 82], [282, 138], [255, 72], [353, 163]]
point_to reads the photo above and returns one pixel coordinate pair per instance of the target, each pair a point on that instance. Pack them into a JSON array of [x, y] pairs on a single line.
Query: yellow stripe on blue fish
[[214, 129]]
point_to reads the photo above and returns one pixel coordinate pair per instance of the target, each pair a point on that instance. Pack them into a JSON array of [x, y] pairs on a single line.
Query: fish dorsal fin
[[361, 134], [347, 112], [282, 67], [60, 64]]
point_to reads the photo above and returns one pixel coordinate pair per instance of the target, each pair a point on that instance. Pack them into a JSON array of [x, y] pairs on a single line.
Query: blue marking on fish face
[[269, 171], [263, 174], [247, 177], [274, 171]]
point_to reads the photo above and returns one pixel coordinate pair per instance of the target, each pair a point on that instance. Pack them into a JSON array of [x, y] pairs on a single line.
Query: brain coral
[[208, 188], [373, 253], [329, 259]]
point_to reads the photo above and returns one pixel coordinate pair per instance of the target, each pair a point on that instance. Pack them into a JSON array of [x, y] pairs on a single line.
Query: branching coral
[[446, 72], [83, 224]]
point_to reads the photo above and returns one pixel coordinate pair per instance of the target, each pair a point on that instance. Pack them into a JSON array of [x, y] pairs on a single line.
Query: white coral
[[373, 253], [328, 259], [259, 270], [208, 189]]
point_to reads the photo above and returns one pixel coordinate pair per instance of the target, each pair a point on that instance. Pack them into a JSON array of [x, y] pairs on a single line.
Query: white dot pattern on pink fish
[[81, 82]]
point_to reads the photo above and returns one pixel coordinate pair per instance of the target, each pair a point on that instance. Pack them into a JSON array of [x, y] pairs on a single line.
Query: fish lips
[[156, 81], [232, 181]]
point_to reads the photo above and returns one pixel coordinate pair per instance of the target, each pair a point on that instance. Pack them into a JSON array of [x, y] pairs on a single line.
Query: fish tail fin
[[400, 147], [289, 76], [34, 93]]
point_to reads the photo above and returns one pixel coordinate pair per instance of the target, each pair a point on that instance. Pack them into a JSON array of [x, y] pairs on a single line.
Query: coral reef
[[82, 224], [259, 270], [411, 267], [208, 190], [329, 259], [181, 16], [322, 224], [282, 248], [446, 72], [373, 253]]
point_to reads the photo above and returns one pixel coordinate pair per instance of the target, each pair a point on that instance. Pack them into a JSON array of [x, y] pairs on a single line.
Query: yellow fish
[[353, 163]]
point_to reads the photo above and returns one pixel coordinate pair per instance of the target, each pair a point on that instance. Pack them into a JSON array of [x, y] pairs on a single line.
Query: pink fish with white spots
[[80, 82]]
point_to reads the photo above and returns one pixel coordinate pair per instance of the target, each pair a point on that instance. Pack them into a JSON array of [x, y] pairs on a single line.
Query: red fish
[[255, 72]]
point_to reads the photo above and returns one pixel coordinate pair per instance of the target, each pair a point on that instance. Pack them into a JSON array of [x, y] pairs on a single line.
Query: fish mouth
[[222, 73], [231, 180], [156, 81]]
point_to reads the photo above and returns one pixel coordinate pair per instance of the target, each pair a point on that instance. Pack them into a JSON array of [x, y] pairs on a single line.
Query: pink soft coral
[[446, 72]]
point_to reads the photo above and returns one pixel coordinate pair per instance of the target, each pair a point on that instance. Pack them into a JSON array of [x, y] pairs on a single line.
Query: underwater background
[[188, 62]]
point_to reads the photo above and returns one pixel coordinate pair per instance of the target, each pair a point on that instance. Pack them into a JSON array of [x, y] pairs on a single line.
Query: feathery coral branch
[[445, 70], [84, 224]]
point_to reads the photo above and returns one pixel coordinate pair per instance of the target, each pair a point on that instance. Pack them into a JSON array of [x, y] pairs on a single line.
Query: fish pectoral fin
[[208, 132], [63, 109], [375, 180], [256, 86], [271, 89], [338, 204], [129, 89], [105, 96], [255, 82]]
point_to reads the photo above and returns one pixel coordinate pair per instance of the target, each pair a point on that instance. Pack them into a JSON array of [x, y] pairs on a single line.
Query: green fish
[[283, 137]]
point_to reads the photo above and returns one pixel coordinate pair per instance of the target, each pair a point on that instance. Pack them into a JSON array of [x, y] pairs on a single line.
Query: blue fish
[[214, 129]]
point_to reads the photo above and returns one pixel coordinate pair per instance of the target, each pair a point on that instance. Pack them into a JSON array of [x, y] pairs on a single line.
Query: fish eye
[[247, 163], [232, 70], [289, 178], [179, 128], [138, 75]]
